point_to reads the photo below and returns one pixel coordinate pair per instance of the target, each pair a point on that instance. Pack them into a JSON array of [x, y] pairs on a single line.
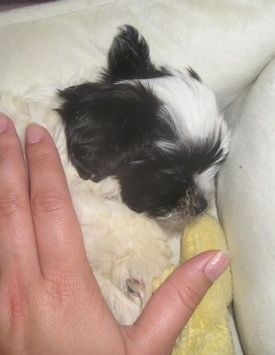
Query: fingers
[[17, 241], [58, 234], [175, 301]]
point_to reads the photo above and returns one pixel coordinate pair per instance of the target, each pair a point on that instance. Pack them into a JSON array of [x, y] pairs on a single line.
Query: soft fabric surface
[[247, 205], [230, 44]]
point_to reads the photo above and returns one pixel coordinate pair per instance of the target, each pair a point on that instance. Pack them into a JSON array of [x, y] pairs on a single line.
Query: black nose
[[199, 207]]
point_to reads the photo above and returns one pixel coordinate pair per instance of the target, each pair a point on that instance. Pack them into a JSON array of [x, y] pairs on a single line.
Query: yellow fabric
[[207, 332]]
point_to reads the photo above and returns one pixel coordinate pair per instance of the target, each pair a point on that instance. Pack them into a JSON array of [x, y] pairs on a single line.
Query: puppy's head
[[157, 130]]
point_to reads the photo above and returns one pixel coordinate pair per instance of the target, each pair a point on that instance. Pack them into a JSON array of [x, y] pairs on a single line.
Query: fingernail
[[3, 123], [34, 133], [217, 265]]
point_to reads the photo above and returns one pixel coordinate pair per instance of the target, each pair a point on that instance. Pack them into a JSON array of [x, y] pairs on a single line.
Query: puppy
[[141, 148], [157, 131]]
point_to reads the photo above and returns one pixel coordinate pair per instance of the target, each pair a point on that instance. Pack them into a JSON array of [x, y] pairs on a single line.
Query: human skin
[[50, 300]]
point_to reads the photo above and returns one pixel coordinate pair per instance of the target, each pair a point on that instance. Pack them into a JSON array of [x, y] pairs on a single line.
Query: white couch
[[231, 43]]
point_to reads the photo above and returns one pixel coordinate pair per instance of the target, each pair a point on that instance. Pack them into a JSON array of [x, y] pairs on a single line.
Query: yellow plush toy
[[207, 332]]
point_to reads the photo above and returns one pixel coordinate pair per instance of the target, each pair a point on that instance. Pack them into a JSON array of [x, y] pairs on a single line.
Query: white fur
[[192, 106], [121, 245]]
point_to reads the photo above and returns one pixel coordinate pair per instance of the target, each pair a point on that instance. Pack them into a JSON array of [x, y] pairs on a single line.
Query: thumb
[[170, 308]]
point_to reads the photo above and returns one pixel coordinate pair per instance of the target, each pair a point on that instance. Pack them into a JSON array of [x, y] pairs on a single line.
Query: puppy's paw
[[135, 290], [134, 276]]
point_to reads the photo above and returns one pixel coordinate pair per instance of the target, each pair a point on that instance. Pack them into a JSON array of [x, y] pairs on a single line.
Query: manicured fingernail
[[217, 265], [34, 133], [3, 123]]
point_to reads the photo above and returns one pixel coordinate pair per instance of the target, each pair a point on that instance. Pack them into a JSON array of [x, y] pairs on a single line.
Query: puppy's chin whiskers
[[173, 224]]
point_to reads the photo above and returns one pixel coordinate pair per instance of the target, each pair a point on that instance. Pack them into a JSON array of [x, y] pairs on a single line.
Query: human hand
[[50, 300]]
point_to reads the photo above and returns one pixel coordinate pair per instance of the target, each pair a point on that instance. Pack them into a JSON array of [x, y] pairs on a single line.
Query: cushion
[[247, 206], [229, 43]]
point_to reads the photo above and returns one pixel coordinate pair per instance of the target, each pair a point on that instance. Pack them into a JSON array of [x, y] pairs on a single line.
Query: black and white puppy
[[158, 131], [141, 148]]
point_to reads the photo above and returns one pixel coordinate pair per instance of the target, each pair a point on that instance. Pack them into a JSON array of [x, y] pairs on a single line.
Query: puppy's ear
[[82, 111], [105, 124], [129, 58]]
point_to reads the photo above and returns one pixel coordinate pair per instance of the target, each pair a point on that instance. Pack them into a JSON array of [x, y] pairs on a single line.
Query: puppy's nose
[[199, 207]]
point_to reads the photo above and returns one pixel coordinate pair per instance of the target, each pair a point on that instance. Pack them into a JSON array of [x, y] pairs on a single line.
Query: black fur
[[158, 182], [106, 125], [194, 74], [129, 58]]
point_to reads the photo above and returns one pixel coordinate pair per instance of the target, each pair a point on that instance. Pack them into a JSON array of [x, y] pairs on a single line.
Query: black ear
[[129, 58], [105, 124], [82, 134]]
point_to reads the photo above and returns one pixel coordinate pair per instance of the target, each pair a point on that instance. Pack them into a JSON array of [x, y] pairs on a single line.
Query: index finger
[[17, 243], [58, 233]]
